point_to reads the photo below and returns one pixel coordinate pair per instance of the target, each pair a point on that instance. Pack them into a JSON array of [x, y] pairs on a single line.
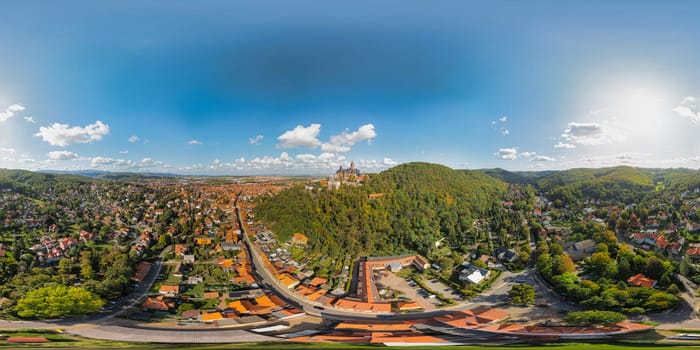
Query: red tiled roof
[[639, 280]]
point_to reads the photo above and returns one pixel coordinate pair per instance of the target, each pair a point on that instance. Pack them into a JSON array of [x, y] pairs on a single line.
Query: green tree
[[522, 294], [594, 317], [58, 300], [87, 272], [8, 268]]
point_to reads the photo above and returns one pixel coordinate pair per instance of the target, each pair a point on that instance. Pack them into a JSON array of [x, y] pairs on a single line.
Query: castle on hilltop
[[346, 176]]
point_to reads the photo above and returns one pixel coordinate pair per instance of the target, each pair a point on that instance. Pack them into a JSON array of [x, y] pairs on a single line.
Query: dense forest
[[420, 204]]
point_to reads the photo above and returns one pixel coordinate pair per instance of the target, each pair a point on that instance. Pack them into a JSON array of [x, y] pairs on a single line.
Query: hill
[[615, 184], [516, 177], [421, 203], [29, 182]]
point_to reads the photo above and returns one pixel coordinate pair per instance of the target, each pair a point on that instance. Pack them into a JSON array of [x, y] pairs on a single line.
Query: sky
[[279, 87]]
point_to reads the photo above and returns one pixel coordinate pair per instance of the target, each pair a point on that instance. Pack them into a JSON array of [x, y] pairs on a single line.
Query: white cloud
[[62, 155], [8, 150], [255, 140], [284, 160], [149, 163], [504, 131], [507, 153], [306, 158], [194, 142], [688, 108], [591, 134], [63, 135], [117, 163], [528, 154], [542, 159], [134, 138], [30, 120], [10, 112], [503, 119], [564, 145], [389, 162], [300, 137], [344, 142], [123, 152]]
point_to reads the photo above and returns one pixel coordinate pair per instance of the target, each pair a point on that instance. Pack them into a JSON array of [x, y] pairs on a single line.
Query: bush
[[522, 294], [594, 317], [59, 300]]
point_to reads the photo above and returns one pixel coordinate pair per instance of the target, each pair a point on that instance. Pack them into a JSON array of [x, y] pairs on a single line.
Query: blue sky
[[279, 88]]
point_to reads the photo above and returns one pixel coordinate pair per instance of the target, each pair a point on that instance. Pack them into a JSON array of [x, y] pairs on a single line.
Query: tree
[[566, 264], [87, 271], [8, 268], [594, 317], [522, 294], [184, 307], [54, 301]]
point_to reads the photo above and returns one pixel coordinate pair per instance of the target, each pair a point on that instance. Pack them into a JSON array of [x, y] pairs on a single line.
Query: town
[[198, 257]]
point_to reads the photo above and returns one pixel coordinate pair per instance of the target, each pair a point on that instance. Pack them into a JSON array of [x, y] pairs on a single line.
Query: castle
[[346, 176]]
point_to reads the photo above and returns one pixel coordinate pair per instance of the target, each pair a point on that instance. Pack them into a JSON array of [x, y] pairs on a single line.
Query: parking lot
[[409, 289], [440, 287]]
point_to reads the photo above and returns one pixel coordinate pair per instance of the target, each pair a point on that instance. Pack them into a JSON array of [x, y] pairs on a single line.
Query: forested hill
[[30, 183], [421, 203], [615, 184], [516, 177]]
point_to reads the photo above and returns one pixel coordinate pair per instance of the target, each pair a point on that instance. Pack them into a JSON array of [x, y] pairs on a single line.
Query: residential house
[[473, 275], [158, 303], [639, 280], [507, 255], [169, 290], [181, 249], [299, 239]]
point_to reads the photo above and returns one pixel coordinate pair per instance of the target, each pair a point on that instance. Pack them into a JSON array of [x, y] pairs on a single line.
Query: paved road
[[129, 334]]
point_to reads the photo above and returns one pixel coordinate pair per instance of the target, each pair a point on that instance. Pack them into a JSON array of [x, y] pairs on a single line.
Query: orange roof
[[180, 248], [211, 295], [203, 240], [238, 306], [287, 280], [630, 326], [362, 306], [317, 281], [166, 288], [472, 318], [277, 300], [316, 295], [489, 314], [226, 263], [248, 279], [379, 337], [299, 238], [155, 304], [212, 316], [388, 327], [264, 300], [639, 280]]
